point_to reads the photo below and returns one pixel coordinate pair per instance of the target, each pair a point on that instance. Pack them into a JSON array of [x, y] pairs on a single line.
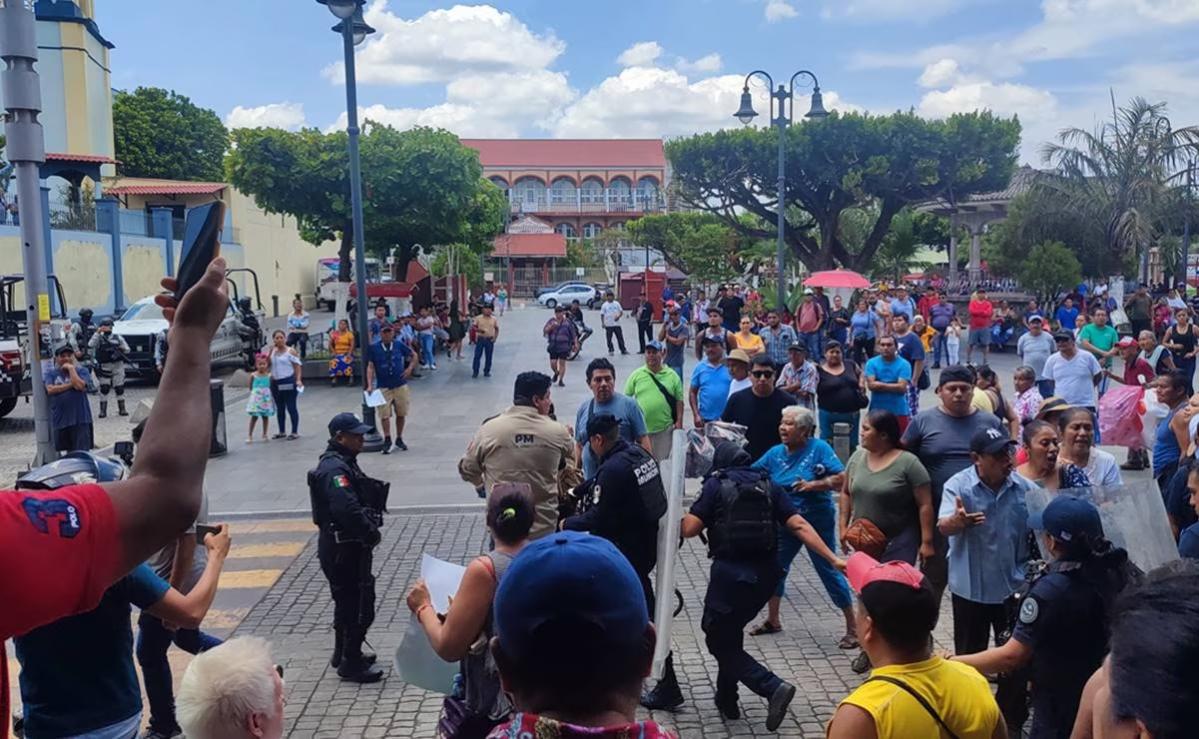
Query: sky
[[660, 68]]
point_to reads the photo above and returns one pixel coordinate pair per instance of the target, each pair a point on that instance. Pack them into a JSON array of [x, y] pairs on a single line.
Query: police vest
[[746, 528], [108, 350]]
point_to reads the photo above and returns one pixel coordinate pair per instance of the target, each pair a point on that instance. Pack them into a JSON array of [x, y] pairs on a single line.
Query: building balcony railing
[[556, 206]]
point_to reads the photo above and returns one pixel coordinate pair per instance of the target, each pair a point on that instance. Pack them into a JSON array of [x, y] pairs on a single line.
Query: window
[[566, 230], [591, 230], [620, 193], [530, 192], [647, 193], [562, 192], [593, 191]]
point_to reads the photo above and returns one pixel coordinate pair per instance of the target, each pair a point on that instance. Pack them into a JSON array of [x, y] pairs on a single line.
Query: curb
[[412, 510]]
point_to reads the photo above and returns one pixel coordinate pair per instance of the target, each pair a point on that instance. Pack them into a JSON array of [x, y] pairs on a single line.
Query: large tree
[[840, 163], [160, 133], [698, 244], [421, 188]]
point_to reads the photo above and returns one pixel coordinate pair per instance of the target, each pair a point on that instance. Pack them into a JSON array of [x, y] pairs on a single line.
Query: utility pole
[[26, 147]]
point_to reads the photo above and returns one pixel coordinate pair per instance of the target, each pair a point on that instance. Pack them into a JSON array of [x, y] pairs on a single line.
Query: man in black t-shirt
[[759, 407]]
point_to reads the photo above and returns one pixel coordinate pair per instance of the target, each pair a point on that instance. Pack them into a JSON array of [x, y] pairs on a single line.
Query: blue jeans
[[153, 641], [828, 418], [811, 339], [678, 369], [818, 510], [483, 345], [940, 348], [426, 348]]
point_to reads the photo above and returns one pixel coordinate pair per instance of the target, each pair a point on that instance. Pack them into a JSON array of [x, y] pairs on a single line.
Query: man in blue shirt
[[70, 411], [77, 674], [1066, 315], [777, 338], [389, 365], [887, 377], [376, 324], [984, 515], [601, 378], [902, 304], [710, 381]]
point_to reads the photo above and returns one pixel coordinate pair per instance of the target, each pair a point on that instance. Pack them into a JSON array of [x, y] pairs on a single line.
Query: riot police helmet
[[75, 468], [245, 304], [730, 454], [107, 322], [85, 314]]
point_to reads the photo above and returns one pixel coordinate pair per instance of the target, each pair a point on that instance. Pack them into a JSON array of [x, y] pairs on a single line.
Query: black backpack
[[747, 528]]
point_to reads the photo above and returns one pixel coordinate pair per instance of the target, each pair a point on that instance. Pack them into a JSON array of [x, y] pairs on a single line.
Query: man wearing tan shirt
[[487, 330], [523, 444]]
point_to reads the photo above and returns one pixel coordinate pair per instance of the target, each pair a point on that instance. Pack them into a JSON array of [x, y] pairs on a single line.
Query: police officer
[[629, 501], [523, 444], [82, 332], [744, 513], [1061, 632], [109, 351], [348, 507]]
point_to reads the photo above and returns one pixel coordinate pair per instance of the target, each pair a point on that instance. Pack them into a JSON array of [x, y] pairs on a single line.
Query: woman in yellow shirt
[[747, 340]]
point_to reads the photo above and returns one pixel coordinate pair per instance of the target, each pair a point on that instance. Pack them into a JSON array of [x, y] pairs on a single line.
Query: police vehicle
[[15, 368]]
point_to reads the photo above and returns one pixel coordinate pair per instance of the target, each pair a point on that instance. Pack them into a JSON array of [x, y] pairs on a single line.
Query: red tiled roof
[[53, 156], [530, 245], [168, 188], [579, 153]]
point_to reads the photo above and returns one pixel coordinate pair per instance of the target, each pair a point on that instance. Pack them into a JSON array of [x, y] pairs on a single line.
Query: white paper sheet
[[415, 661], [374, 398]]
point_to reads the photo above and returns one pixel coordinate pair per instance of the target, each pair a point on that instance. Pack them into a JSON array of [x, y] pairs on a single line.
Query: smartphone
[[201, 244], [203, 530]]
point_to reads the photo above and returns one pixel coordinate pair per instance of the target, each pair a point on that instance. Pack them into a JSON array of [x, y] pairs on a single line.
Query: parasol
[[834, 278]]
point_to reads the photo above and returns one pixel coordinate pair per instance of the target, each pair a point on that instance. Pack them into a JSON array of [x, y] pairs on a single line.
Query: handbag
[[919, 699], [866, 537], [458, 722]]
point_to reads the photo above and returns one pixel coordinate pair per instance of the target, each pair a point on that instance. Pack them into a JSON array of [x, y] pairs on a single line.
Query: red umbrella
[[833, 278]]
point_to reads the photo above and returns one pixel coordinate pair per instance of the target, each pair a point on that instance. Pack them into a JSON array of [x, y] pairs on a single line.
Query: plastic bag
[[1120, 416], [1154, 411], [699, 453]]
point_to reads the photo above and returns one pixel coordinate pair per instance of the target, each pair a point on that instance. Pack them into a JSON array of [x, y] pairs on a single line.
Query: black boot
[[121, 407], [354, 667], [666, 695], [103, 409], [339, 646]]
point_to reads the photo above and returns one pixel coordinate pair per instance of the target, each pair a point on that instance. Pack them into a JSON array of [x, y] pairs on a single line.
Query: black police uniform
[[348, 507], [1064, 621], [743, 531]]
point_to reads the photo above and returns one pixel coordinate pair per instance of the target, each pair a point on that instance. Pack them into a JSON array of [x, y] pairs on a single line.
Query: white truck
[[326, 278]]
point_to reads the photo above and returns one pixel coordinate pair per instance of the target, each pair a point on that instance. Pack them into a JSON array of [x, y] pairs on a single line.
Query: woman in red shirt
[[981, 312]]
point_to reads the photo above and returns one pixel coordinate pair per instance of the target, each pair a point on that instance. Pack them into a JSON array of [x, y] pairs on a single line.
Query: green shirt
[[641, 387], [1102, 339], [886, 498]]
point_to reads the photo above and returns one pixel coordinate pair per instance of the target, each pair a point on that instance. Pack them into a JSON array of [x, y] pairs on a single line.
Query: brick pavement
[[297, 613]]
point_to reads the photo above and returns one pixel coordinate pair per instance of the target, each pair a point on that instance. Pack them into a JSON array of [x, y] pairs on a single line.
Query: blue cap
[[347, 423], [569, 582], [1068, 517], [655, 345]]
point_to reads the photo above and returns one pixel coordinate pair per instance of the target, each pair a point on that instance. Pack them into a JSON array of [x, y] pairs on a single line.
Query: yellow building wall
[[142, 267], [85, 270]]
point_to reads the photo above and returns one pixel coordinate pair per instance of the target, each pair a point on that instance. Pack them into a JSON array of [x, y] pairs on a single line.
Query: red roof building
[[578, 186]]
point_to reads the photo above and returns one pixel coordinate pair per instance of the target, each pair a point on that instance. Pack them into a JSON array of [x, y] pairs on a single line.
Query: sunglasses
[[761, 374]]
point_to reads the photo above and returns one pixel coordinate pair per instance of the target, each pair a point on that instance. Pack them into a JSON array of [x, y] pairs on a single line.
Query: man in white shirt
[[610, 313], [1074, 374]]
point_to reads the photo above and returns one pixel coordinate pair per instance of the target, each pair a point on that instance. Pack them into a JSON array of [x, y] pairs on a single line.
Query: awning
[[169, 188]]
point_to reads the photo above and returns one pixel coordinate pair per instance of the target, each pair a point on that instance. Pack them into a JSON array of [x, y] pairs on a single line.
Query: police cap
[[347, 423]]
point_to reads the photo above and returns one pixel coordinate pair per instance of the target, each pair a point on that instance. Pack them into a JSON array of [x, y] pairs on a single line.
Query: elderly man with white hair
[[808, 469], [234, 691]]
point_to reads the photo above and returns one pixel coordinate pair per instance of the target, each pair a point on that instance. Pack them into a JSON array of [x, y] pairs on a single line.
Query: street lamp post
[[782, 96], [1186, 230], [353, 31]]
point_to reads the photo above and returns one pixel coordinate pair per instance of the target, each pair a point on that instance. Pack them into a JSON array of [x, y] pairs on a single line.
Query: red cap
[[1126, 341], [862, 569]]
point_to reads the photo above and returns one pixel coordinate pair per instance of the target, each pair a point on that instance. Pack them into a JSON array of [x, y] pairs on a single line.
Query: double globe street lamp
[[784, 117], [353, 31]]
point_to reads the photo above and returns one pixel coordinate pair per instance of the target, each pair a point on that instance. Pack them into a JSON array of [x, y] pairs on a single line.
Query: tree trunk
[[404, 256], [344, 252]]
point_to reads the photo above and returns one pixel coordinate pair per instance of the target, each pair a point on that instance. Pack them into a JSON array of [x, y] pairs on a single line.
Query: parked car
[[583, 293], [557, 288]]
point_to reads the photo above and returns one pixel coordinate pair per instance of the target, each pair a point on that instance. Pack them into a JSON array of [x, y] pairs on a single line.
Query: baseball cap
[[1126, 342], [808, 291], [655, 345], [347, 423], [990, 441], [1068, 517], [893, 591], [63, 348], [1063, 336], [956, 373], [569, 587], [386, 327], [1036, 319], [739, 355], [672, 308], [798, 348]]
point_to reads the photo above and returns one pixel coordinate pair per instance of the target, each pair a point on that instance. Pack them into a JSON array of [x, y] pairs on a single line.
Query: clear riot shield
[[1133, 515], [668, 547]]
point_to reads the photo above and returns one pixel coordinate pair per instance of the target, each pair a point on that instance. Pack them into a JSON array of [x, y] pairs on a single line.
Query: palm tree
[[1122, 176]]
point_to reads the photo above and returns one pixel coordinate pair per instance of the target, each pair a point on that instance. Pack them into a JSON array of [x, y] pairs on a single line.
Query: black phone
[[203, 530], [201, 244]]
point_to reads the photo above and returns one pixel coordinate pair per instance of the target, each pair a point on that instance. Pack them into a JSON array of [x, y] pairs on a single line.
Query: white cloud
[[706, 64], [641, 54], [888, 10], [442, 45], [1038, 110], [275, 115], [779, 10], [943, 73]]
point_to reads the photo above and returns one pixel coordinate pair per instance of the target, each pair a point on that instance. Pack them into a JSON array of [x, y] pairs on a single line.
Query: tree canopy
[[840, 163], [698, 244], [421, 188], [160, 133], [1049, 269]]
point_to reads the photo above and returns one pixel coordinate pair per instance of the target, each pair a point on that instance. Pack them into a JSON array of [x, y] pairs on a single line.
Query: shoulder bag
[[671, 401], [919, 699]]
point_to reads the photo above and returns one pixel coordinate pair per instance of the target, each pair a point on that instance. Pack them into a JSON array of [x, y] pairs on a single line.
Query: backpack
[[747, 528]]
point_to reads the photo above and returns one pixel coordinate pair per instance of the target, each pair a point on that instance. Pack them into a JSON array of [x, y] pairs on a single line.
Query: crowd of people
[[553, 627]]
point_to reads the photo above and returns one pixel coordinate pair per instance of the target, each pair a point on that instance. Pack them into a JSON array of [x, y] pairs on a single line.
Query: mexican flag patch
[[341, 481]]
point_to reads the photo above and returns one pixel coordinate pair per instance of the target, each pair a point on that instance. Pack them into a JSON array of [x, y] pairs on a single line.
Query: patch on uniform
[[524, 440], [1029, 610], [646, 471], [341, 481]]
